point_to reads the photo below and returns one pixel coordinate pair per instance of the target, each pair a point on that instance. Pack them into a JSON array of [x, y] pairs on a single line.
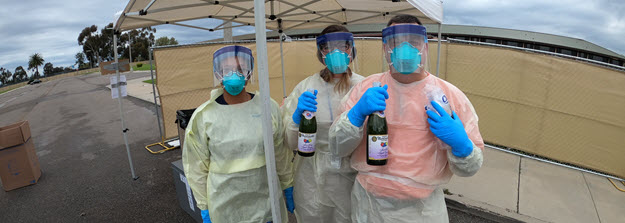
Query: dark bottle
[[307, 133], [377, 137]]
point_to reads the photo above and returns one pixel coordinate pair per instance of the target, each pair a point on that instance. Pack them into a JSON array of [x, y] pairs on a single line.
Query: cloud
[[601, 22], [52, 27]]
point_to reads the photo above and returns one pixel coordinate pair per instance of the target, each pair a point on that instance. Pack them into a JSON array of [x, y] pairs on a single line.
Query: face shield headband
[[232, 60], [405, 45]]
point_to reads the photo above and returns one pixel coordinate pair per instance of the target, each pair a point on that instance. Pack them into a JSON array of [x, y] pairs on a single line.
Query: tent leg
[[121, 108], [438, 56], [282, 63], [263, 79], [158, 119]]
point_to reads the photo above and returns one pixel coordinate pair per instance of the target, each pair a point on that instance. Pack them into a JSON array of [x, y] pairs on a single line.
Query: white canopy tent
[[278, 15]]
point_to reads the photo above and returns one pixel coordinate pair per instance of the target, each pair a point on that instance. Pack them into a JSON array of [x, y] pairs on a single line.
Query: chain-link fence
[[560, 108]]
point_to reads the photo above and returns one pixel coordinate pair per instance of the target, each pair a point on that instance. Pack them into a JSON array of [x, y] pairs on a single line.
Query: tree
[[47, 69], [140, 41], [80, 58], [57, 70], [5, 76], [34, 62], [164, 41], [19, 75], [98, 45]]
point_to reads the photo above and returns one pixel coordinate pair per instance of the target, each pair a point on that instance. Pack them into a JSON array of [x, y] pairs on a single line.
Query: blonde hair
[[344, 83]]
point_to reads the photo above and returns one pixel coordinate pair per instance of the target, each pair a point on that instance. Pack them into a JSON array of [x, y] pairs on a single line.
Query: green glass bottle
[[307, 133], [377, 137]]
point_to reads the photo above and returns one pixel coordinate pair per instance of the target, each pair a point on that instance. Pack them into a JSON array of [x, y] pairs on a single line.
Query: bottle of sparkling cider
[[377, 137], [307, 133], [435, 93]]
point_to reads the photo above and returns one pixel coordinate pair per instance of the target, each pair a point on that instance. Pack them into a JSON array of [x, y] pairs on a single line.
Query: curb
[[487, 211]]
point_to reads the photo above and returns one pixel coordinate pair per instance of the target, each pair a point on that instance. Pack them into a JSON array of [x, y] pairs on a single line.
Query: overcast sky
[[52, 27]]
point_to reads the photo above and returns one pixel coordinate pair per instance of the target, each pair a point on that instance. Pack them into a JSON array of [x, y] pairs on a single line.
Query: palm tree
[[35, 61]]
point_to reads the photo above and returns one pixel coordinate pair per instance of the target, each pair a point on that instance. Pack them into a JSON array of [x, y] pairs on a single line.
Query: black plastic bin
[[182, 120], [184, 193]]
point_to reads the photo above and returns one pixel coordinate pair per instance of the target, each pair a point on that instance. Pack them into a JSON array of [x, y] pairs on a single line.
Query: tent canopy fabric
[[280, 14]]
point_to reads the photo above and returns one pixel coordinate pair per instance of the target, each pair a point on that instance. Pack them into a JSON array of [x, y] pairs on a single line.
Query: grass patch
[[143, 67], [12, 87], [148, 81]]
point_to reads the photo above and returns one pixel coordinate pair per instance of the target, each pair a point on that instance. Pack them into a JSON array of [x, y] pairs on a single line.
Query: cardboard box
[[14, 134], [184, 193], [19, 165]]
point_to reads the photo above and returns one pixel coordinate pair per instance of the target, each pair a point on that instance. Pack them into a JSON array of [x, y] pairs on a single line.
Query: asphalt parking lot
[[77, 134]]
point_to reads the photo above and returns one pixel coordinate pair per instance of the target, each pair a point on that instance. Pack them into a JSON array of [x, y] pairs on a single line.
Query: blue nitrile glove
[[288, 196], [374, 99], [305, 102], [205, 217], [450, 130]]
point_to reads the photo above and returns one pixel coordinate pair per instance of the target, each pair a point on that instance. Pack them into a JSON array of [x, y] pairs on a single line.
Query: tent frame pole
[[438, 55], [303, 7], [121, 107], [263, 79], [309, 21], [158, 119], [234, 17], [295, 7], [282, 63]]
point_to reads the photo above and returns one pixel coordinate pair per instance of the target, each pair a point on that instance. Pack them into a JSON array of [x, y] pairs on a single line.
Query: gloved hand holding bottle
[[288, 196], [306, 102], [206, 218], [374, 99], [450, 130]]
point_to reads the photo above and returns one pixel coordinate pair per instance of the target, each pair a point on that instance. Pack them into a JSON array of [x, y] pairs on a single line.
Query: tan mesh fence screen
[[185, 74], [558, 108]]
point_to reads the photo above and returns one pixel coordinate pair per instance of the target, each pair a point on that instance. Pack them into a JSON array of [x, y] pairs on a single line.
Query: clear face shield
[[233, 66], [337, 50], [405, 48], [233, 60]]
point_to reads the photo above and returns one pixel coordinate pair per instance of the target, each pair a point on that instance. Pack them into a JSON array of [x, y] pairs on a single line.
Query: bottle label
[[434, 93], [378, 147], [308, 115], [380, 113], [306, 142]]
